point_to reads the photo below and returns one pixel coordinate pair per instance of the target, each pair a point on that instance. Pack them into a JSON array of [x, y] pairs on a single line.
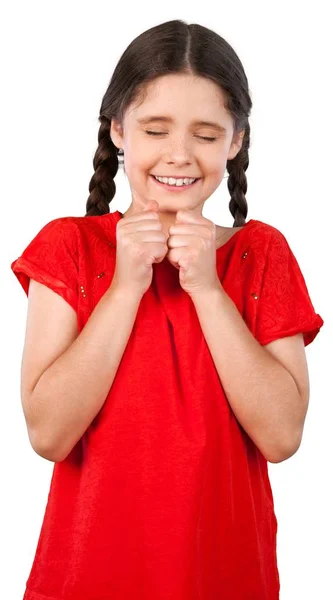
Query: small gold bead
[[254, 295], [244, 255], [84, 295], [101, 275], [81, 286]]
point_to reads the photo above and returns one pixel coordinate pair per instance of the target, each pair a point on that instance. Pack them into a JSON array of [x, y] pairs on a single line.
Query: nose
[[179, 153]]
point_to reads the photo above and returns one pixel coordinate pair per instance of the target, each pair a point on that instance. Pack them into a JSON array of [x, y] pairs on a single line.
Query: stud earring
[[120, 155]]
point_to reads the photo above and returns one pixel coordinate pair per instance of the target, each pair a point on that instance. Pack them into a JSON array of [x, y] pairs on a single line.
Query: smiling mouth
[[174, 186], [176, 177]]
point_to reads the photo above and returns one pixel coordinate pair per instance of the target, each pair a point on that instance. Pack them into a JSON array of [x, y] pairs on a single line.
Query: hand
[[192, 250], [140, 243]]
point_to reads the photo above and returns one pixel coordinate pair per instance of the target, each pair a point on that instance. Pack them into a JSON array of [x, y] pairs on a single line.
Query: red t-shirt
[[165, 496]]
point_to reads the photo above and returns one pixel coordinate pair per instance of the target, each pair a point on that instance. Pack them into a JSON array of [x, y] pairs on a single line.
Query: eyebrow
[[150, 118]]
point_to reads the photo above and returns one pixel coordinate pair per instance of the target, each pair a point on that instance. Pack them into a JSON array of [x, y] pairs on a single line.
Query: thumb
[[143, 204], [152, 205]]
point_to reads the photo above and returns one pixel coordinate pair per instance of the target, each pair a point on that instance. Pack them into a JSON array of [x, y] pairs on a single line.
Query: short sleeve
[[51, 258], [284, 304]]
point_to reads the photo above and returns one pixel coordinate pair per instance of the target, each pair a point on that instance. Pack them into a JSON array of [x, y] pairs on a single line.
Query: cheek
[[214, 162], [215, 172], [214, 177], [135, 167], [218, 167], [143, 163]]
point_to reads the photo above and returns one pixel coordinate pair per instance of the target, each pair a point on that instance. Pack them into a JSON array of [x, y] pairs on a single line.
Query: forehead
[[181, 98]]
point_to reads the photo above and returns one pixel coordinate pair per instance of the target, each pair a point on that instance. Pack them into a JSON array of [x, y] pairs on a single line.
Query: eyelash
[[208, 139]]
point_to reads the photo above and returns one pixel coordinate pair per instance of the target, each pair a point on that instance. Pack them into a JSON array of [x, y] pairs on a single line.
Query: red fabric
[[52, 259], [165, 496]]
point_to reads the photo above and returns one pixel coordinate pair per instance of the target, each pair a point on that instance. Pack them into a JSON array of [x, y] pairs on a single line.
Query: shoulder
[[266, 229], [95, 225], [79, 236], [267, 236], [71, 228], [56, 240], [58, 234], [59, 225], [265, 247]]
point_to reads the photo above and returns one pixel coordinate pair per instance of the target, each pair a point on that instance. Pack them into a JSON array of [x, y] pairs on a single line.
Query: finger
[[190, 216], [190, 229], [143, 204]]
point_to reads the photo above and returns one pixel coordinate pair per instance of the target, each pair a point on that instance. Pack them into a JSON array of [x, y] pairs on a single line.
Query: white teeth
[[173, 181]]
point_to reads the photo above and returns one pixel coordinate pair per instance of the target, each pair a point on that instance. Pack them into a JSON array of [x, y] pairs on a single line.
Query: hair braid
[[102, 186], [237, 181]]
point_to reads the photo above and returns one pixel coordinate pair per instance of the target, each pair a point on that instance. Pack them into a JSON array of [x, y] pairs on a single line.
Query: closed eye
[[208, 139]]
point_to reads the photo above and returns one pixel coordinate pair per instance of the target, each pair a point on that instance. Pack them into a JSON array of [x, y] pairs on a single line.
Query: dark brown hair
[[172, 47]]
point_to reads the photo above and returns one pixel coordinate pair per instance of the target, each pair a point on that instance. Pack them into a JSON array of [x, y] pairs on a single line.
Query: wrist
[[125, 294], [208, 292]]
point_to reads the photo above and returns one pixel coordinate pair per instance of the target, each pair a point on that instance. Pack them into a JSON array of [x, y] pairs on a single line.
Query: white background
[[56, 62]]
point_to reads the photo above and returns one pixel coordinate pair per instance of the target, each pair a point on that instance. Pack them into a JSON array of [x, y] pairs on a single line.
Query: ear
[[116, 133], [236, 144]]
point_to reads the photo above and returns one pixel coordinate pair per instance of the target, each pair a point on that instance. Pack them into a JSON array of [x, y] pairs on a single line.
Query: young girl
[[164, 359]]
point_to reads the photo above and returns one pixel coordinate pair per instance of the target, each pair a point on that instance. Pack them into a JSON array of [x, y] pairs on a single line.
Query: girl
[[164, 359]]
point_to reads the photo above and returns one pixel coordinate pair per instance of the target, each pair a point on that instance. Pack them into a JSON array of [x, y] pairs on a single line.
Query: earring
[[120, 155]]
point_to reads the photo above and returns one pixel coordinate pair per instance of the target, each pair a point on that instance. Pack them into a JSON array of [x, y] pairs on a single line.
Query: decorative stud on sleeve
[[254, 295]]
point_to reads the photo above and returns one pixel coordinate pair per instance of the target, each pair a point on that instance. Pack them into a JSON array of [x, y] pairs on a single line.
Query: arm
[[70, 393], [262, 393]]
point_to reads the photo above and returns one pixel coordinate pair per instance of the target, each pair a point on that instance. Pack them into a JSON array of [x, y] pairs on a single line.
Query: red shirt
[[165, 496]]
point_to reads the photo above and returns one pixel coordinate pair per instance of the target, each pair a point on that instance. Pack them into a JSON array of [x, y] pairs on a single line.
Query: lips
[[176, 177], [175, 188]]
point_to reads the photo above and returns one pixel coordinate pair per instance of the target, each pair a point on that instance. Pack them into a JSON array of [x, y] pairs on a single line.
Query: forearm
[[73, 389], [261, 392]]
